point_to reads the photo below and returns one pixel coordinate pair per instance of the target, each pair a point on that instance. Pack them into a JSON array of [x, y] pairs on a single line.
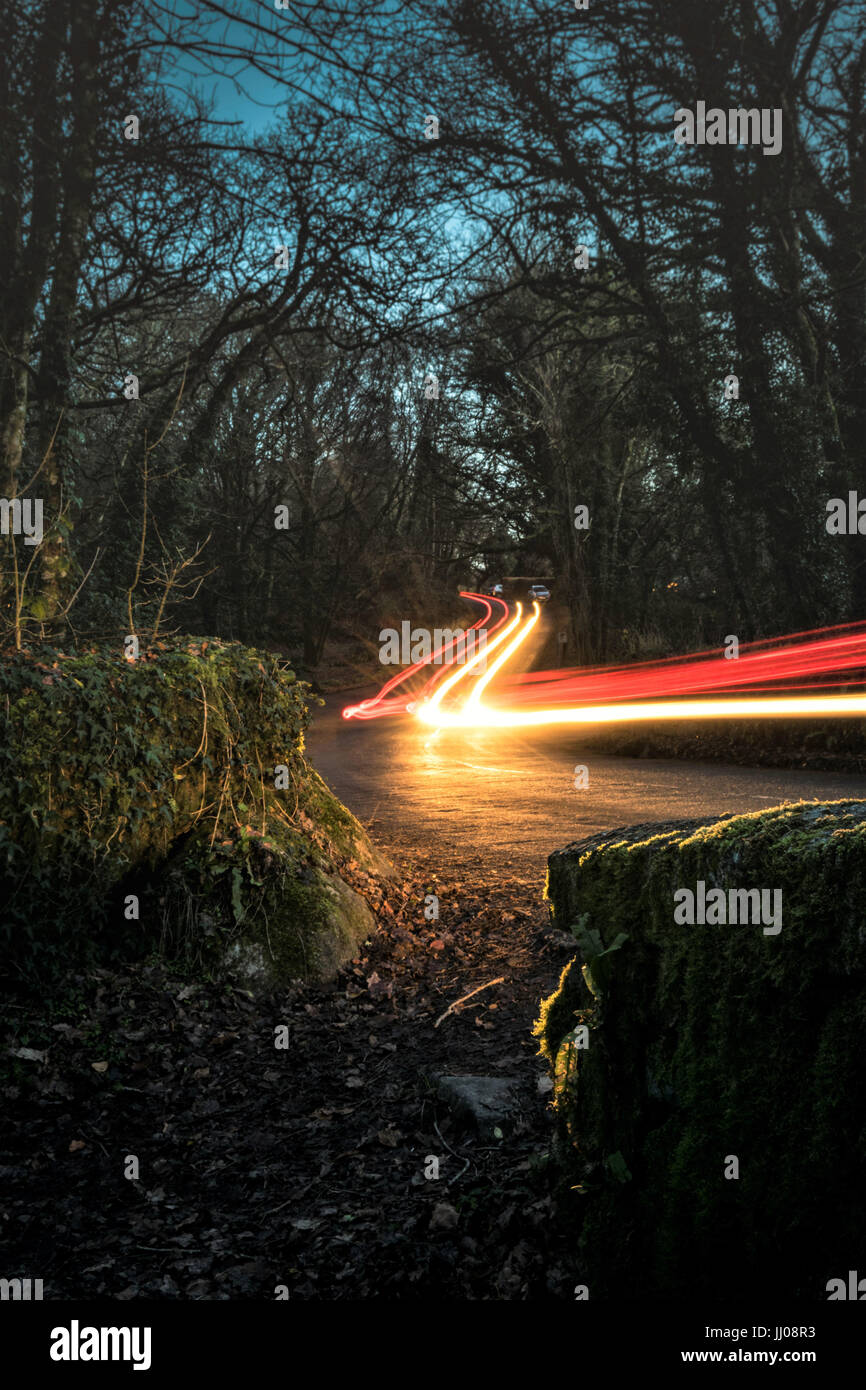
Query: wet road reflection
[[510, 798]]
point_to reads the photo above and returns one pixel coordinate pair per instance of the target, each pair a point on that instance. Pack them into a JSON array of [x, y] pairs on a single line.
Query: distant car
[[539, 593], [496, 591]]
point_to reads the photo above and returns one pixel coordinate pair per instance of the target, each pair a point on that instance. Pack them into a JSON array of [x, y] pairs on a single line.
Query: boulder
[[709, 1079], [166, 804]]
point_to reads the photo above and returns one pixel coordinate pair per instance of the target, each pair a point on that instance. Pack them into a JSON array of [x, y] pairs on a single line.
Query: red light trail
[[771, 672], [381, 705]]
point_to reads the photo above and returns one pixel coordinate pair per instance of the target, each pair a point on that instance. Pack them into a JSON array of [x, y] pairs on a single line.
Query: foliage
[[106, 764]]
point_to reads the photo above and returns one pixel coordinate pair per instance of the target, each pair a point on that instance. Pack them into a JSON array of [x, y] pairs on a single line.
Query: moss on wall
[[157, 778], [712, 1041]]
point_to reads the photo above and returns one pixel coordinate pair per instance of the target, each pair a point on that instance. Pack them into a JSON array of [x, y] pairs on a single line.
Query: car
[[538, 592], [496, 591]]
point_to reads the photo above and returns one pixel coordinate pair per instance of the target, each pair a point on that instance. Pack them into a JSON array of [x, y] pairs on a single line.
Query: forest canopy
[[287, 376]]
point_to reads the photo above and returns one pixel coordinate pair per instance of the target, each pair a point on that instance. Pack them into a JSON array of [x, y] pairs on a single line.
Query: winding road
[[505, 800]]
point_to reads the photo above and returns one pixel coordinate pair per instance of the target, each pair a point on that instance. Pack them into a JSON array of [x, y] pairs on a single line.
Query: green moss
[[562, 1011], [709, 1041], [272, 907], [158, 778]]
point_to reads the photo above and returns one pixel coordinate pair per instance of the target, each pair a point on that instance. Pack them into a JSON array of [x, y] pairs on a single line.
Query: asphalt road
[[506, 800]]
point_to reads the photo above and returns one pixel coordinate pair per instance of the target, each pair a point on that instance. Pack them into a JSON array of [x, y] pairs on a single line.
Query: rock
[[709, 1043], [486, 1102], [444, 1217], [148, 799]]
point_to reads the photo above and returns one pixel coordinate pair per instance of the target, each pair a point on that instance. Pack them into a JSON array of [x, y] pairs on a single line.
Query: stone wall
[[683, 1052], [165, 804]]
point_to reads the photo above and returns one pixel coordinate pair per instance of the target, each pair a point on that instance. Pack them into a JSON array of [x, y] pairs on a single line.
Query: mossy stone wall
[[156, 778], [711, 1042]]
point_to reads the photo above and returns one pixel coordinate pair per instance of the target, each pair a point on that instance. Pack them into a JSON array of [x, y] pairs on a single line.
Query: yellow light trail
[[474, 714], [429, 707], [794, 707], [473, 704]]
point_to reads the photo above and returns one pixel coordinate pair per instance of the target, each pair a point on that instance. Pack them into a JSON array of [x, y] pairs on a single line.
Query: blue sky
[[241, 93]]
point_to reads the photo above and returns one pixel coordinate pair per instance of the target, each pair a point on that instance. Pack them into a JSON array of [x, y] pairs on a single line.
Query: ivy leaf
[[597, 971], [237, 901]]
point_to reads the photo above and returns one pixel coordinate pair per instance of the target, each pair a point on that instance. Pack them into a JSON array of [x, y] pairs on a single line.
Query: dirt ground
[[300, 1167]]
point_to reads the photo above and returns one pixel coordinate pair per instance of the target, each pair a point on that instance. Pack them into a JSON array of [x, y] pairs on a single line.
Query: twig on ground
[[466, 1161], [500, 980]]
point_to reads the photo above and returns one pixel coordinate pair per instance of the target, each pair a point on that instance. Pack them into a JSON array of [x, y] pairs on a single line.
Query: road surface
[[503, 799]]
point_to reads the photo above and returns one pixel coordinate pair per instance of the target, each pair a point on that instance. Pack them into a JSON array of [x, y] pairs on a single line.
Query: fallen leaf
[[99, 1066]]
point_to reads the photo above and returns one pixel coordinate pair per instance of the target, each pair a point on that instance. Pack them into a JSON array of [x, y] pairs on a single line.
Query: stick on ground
[[500, 980]]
